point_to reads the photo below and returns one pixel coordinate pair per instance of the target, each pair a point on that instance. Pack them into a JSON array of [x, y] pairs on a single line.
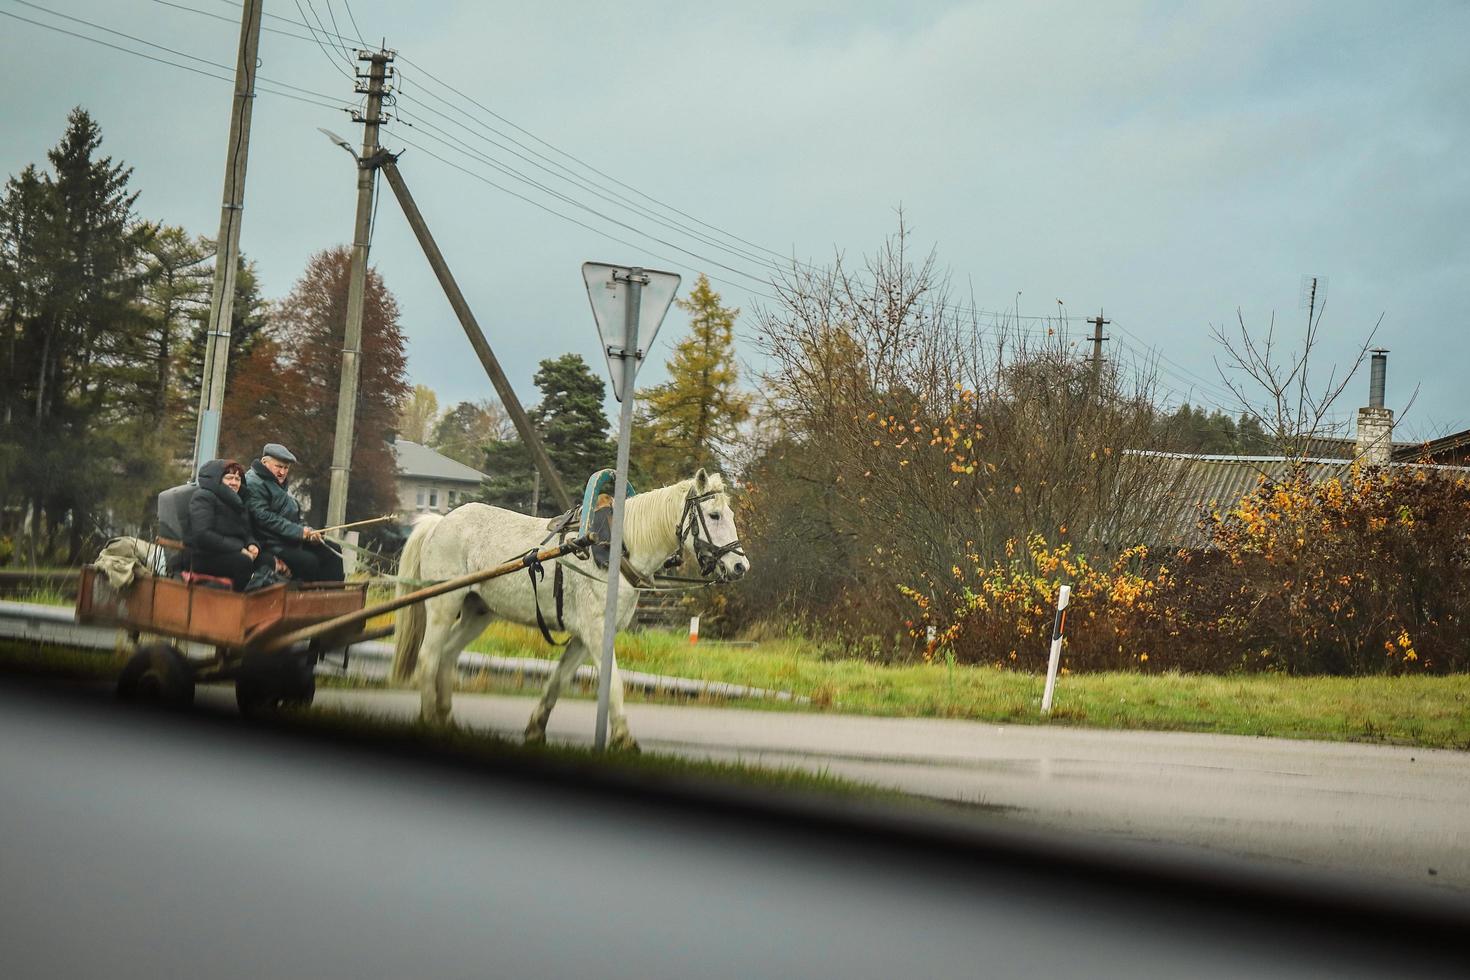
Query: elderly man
[[278, 523]]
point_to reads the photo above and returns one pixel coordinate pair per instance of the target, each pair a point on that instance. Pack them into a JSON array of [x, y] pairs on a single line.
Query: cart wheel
[[255, 693], [298, 682], [157, 674], [291, 683]]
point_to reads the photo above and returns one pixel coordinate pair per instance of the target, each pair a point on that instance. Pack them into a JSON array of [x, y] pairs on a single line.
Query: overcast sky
[[1166, 162]]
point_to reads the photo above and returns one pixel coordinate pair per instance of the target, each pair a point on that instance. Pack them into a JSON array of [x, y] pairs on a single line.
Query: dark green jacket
[[276, 513]]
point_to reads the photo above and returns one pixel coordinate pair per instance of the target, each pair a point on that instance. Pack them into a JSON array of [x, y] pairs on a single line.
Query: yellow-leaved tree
[[692, 419]]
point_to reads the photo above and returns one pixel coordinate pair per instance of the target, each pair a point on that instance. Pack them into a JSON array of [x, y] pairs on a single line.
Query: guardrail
[[38, 623]]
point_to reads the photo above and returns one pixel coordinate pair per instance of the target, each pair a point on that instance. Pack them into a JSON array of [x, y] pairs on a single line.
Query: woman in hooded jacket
[[220, 539]]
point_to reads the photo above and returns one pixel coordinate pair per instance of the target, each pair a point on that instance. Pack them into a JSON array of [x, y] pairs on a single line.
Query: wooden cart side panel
[[171, 612], [169, 607], [263, 609], [305, 606], [215, 615]]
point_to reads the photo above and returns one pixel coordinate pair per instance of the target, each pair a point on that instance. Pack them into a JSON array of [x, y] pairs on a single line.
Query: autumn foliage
[[286, 390], [1365, 575]]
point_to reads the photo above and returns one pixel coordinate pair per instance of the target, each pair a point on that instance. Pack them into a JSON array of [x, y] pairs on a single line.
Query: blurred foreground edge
[[1093, 887]]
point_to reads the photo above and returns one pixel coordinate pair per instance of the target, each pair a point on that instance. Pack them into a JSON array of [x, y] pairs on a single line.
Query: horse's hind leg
[[571, 659], [453, 622]]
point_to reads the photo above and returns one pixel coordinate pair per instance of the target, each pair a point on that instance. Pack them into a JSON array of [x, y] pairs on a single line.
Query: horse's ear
[[701, 481]]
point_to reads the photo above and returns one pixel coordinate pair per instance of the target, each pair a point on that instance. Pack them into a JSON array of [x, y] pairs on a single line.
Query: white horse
[[692, 518]]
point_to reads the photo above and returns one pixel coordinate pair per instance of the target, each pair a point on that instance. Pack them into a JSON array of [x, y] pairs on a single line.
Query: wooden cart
[[268, 641], [240, 626]]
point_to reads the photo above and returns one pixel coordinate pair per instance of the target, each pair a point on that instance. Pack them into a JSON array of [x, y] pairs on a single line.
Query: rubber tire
[[282, 682], [157, 675], [298, 681]]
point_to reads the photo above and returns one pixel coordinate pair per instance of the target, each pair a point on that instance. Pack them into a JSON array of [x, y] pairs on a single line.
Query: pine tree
[[693, 418], [69, 280], [573, 427]]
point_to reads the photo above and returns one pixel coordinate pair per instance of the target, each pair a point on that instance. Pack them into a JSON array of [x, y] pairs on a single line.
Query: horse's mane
[[654, 515]]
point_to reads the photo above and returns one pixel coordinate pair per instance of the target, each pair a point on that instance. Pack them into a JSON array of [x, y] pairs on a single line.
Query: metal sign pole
[[629, 355]]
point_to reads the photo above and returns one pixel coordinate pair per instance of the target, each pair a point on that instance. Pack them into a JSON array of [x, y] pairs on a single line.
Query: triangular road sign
[[608, 288]]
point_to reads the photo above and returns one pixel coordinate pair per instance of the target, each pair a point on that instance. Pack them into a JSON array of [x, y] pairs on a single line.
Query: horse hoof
[[535, 736], [626, 743]]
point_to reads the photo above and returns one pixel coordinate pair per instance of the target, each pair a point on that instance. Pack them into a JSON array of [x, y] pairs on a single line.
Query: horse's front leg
[[571, 659], [621, 738]]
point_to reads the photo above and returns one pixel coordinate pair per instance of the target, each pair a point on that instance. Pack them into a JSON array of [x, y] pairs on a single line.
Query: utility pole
[[476, 336], [227, 246], [368, 162], [1097, 341]]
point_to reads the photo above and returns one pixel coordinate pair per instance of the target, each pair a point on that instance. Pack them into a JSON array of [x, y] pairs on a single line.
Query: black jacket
[[275, 513], [218, 520]]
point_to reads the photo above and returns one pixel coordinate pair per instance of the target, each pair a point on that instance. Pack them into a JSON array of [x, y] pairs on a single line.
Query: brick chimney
[[1375, 423]]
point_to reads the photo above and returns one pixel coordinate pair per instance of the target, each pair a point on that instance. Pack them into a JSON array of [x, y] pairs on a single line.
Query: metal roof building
[[430, 482], [1195, 485]]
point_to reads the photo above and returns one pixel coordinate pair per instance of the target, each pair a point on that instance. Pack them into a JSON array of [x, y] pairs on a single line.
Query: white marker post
[[693, 629], [1058, 626], [628, 304]]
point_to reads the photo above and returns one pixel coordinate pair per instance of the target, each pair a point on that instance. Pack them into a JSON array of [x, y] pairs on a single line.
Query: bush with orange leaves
[[1367, 575], [1005, 617]]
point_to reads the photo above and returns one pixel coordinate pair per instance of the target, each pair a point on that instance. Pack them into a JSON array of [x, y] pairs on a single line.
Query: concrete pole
[[357, 287], [227, 246], [472, 330], [1097, 342]]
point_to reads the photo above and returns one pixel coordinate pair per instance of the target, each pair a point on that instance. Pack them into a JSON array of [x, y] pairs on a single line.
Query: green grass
[[18, 657], [45, 596], [1428, 711], [1424, 711]]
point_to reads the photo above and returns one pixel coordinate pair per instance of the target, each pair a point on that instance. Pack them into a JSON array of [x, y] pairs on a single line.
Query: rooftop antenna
[[1313, 295]]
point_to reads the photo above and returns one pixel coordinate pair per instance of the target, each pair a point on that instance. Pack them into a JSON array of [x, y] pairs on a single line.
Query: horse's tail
[[408, 627]]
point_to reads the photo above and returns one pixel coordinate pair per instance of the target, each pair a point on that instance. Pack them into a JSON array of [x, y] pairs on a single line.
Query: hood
[[210, 475]]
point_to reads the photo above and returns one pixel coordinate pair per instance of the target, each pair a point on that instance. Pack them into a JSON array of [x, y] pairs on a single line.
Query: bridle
[[691, 522]]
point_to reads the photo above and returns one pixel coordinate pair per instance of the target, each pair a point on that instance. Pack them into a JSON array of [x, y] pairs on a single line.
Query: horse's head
[[707, 530]]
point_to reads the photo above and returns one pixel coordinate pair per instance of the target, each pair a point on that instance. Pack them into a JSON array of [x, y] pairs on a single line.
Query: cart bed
[[206, 615]]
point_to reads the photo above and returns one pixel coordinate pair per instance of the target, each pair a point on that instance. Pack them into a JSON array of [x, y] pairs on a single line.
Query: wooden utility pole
[[1097, 341], [378, 73], [227, 246], [477, 336]]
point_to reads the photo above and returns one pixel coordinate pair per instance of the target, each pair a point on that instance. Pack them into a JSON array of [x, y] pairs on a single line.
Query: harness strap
[[537, 572]]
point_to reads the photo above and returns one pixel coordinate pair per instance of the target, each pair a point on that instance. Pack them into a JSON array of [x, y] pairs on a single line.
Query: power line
[[445, 138], [997, 319], [333, 16], [330, 57], [354, 23], [763, 277], [679, 263], [175, 64], [565, 173], [785, 261]]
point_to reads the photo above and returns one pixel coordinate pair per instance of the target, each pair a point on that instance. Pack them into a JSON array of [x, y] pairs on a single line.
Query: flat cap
[[278, 451]]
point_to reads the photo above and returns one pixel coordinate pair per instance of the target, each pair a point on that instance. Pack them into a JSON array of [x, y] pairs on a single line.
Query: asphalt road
[[134, 844], [1392, 814]]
